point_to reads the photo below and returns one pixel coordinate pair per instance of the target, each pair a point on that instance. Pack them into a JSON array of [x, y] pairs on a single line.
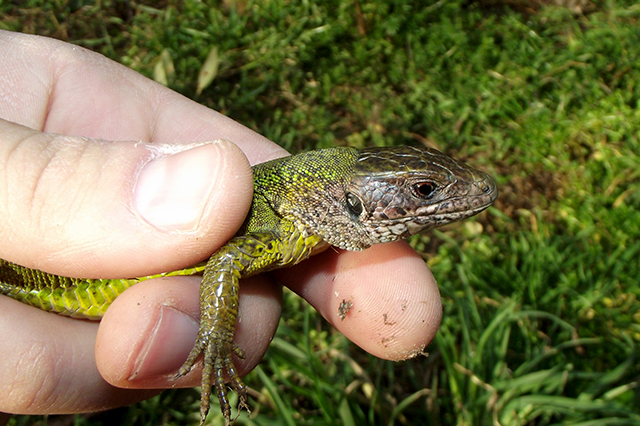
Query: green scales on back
[[301, 205]]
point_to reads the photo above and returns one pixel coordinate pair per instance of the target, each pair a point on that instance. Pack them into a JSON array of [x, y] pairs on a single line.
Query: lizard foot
[[217, 368]]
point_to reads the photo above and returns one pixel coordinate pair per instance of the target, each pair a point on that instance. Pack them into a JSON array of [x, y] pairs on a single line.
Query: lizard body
[[301, 205]]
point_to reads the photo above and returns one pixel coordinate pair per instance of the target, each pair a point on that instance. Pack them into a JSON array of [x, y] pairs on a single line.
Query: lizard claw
[[217, 368]]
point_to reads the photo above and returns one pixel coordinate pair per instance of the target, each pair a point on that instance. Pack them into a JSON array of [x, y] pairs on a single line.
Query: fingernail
[[172, 191], [167, 347]]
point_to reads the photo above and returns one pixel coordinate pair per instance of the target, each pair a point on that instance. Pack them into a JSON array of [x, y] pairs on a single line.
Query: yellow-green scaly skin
[[302, 204]]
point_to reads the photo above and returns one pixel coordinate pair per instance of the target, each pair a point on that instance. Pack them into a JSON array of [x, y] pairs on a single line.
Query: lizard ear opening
[[354, 204]]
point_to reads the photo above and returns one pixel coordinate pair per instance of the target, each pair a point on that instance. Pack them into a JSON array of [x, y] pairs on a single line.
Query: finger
[[61, 88], [48, 366], [395, 306], [148, 332], [87, 208]]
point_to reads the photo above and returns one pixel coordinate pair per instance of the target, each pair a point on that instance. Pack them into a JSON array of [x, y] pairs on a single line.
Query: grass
[[541, 296]]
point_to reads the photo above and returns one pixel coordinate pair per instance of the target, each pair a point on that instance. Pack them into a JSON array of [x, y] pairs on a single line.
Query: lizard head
[[397, 192]]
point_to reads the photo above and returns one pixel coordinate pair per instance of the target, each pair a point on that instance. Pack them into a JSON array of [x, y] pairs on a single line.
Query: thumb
[[97, 209]]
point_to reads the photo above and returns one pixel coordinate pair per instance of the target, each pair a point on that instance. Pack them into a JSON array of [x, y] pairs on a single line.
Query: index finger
[[57, 87]]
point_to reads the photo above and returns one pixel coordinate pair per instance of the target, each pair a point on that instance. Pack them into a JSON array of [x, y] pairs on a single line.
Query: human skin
[[107, 174]]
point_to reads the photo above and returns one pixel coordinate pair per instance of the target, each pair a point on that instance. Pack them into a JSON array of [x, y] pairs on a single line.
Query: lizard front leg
[[240, 257]]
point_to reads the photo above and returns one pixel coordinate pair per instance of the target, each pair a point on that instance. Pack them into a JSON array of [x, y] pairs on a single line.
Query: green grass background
[[541, 297]]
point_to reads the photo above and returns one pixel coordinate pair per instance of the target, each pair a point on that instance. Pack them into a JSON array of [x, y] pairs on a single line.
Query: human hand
[[74, 204]]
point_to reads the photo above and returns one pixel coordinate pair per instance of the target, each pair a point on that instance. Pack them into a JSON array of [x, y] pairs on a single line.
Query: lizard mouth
[[464, 199], [475, 197]]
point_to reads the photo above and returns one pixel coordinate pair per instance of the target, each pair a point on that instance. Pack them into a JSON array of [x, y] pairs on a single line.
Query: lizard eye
[[424, 189], [354, 204]]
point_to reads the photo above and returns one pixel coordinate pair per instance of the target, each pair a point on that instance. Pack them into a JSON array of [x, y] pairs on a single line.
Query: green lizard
[[302, 204]]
